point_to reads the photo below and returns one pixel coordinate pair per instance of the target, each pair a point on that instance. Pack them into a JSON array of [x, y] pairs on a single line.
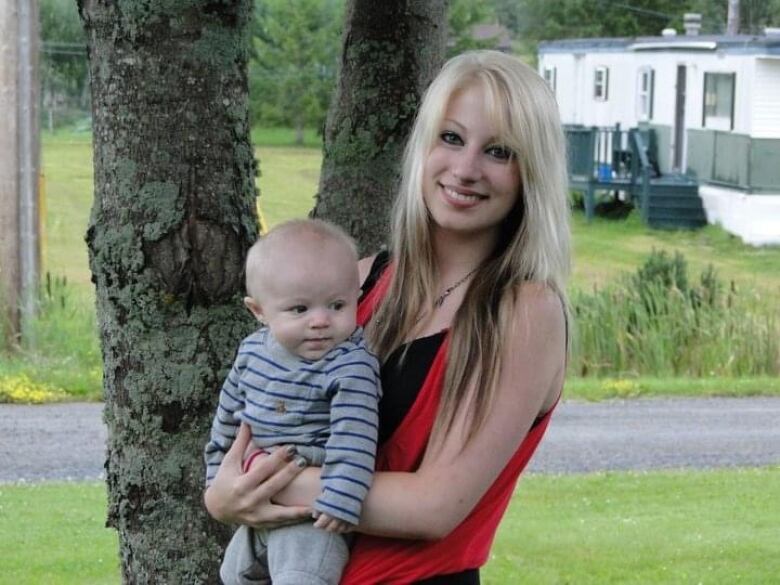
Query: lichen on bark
[[173, 216], [384, 71]]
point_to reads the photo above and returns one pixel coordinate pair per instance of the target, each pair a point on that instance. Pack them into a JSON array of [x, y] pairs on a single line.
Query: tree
[[463, 16], [754, 15], [64, 59], [508, 13], [293, 71], [384, 70], [171, 223], [557, 19]]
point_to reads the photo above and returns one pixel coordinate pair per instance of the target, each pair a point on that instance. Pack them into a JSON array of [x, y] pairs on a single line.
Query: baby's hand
[[330, 524]]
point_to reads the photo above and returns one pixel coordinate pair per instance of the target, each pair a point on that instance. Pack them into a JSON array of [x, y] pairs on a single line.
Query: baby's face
[[310, 303]]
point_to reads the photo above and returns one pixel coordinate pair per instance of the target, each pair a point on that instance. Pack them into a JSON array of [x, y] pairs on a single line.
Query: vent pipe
[[692, 23]]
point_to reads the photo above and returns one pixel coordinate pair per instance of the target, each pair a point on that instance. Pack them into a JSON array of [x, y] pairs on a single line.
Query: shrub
[[655, 323]]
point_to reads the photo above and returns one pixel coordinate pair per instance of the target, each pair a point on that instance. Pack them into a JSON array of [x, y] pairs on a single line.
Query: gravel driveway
[[66, 441]]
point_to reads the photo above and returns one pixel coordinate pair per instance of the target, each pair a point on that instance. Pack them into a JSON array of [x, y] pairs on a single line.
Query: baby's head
[[303, 283]]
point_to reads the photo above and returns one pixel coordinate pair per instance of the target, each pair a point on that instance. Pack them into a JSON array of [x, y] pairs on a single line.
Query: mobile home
[[713, 103]]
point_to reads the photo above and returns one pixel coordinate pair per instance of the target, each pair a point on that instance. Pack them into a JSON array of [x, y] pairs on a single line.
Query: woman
[[467, 317]]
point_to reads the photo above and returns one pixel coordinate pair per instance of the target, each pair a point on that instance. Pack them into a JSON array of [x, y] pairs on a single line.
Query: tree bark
[[172, 220], [391, 51]]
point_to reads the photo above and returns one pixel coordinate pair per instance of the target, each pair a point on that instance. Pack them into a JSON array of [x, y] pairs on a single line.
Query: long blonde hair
[[533, 244]]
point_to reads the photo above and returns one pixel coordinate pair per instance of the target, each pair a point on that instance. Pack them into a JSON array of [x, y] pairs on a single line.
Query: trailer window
[[645, 93], [550, 76], [601, 83], [719, 101]]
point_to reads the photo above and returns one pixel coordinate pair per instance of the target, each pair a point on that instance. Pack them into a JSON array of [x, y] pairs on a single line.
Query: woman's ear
[[254, 307]]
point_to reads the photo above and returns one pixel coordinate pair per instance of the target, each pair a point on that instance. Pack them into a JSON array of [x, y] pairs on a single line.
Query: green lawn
[[604, 248], [656, 527], [716, 527], [288, 181]]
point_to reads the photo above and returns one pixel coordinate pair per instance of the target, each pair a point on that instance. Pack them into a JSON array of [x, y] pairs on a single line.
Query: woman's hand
[[235, 497]]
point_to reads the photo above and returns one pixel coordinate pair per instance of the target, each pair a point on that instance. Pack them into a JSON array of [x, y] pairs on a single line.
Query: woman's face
[[471, 181]]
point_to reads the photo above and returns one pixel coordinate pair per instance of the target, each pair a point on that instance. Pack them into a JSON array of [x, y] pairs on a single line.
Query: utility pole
[[19, 163], [732, 22]]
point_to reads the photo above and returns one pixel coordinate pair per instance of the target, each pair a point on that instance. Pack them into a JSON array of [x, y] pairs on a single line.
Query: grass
[[660, 527], [55, 533], [596, 389], [662, 322], [285, 137], [654, 527], [603, 250]]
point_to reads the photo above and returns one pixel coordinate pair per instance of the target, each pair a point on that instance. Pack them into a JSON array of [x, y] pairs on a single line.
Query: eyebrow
[[453, 122]]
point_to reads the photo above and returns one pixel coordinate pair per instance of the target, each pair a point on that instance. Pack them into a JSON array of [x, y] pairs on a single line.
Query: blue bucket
[[605, 172]]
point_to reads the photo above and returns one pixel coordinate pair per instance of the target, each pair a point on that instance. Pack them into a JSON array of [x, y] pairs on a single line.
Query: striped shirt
[[287, 400]]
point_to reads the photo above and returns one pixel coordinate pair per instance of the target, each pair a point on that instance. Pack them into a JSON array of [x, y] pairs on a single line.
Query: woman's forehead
[[492, 104]]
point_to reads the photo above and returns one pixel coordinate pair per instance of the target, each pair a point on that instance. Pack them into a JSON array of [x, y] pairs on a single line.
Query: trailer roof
[[748, 44]]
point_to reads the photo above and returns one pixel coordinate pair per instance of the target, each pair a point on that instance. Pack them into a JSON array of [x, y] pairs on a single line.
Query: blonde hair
[[268, 249], [533, 243]]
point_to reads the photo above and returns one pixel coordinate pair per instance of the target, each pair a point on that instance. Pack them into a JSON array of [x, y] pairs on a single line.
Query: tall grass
[[655, 323], [61, 354]]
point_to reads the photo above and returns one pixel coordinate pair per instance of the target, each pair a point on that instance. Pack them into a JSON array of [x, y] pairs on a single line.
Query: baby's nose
[[319, 318]]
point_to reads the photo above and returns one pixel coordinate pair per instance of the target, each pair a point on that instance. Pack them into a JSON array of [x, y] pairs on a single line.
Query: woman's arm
[[432, 501]]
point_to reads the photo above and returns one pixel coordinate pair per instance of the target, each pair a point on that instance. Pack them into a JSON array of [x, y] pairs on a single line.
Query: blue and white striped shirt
[[287, 400]]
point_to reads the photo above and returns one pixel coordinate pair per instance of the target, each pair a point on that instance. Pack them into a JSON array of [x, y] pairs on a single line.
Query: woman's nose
[[466, 167]]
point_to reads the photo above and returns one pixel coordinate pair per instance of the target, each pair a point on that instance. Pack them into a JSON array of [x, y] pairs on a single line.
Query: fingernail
[[300, 462], [291, 451]]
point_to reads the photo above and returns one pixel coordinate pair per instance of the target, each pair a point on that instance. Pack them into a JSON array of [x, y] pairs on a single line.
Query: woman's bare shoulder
[[538, 301]]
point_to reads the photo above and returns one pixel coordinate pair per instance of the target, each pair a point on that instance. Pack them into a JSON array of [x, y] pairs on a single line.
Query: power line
[[648, 12]]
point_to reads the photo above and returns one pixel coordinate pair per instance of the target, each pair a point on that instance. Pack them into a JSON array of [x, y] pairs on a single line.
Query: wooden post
[[29, 160], [9, 176], [19, 163]]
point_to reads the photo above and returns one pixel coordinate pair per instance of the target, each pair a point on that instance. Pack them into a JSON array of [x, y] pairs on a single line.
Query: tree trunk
[[391, 51], [299, 130], [172, 220]]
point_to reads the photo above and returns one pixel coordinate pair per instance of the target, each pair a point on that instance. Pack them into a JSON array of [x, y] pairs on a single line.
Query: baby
[[306, 379]]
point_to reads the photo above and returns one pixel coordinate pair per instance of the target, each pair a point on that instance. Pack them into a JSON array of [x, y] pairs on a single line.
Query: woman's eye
[[449, 137], [499, 152]]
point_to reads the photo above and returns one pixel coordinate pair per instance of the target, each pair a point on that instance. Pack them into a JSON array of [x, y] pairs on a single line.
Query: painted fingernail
[[300, 462], [292, 451]]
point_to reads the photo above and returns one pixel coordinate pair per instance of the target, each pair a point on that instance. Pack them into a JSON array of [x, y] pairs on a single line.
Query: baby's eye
[[499, 152], [450, 137], [298, 309], [338, 305]]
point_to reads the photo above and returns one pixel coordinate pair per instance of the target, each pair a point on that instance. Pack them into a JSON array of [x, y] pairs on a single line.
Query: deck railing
[[609, 158]]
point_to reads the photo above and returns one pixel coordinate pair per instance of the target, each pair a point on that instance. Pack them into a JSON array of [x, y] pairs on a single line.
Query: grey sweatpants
[[289, 555]]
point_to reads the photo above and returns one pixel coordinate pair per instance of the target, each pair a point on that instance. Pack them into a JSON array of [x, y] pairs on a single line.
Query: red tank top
[[376, 560]]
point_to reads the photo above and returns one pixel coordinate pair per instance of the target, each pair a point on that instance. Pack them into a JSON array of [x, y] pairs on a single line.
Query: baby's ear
[[254, 307]]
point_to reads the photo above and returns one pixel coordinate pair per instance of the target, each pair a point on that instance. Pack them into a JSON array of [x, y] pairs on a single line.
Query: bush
[[655, 323], [61, 352]]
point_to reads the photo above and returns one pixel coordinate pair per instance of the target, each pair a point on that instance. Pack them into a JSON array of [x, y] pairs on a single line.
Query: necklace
[[439, 301]]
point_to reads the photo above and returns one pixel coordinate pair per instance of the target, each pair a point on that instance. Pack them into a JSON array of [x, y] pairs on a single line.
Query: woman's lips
[[460, 197]]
